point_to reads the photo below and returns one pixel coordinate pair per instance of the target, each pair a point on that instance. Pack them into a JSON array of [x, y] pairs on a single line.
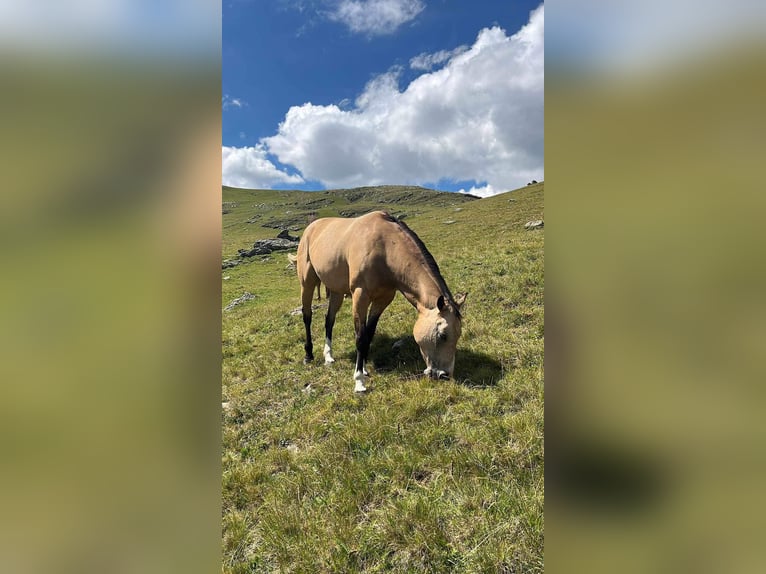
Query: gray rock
[[257, 250], [285, 234], [266, 246], [239, 300], [278, 244]]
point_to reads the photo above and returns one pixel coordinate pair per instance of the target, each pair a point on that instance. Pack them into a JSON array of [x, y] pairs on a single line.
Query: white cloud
[[249, 167], [479, 118], [227, 102], [483, 191], [375, 17], [427, 62]]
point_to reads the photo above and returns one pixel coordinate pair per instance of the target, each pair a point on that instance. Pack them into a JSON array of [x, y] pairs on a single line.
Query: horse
[[370, 258]]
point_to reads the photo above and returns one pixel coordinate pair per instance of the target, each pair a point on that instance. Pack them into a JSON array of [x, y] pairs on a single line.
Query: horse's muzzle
[[436, 374]]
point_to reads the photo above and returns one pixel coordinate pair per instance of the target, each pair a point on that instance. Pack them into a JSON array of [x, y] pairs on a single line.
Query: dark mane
[[430, 262]]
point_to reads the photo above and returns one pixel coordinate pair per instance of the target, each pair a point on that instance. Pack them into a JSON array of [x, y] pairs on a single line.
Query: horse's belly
[[333, 274]]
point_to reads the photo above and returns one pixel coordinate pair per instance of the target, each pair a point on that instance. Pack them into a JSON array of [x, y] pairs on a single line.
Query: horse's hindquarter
[[323, 252]]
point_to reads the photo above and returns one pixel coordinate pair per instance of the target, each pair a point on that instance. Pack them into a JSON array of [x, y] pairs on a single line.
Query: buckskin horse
[[370, 258]]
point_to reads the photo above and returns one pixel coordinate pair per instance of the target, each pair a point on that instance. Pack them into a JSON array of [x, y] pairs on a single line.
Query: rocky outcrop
[[283, 242], [285, 234], [266, 246]]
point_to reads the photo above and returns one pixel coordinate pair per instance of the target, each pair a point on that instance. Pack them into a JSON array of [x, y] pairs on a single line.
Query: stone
[[285, 234], [239, 300]]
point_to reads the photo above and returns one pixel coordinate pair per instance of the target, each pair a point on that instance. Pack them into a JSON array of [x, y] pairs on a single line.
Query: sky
[[323, 94]]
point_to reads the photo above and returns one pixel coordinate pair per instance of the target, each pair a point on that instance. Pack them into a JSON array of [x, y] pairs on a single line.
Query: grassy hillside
[[416, 475]]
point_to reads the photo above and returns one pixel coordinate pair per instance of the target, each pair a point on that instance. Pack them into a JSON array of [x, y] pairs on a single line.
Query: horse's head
[[436, 333]]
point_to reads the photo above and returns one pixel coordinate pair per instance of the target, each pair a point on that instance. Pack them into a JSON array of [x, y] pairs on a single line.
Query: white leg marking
[[328, 352], [359, 382]]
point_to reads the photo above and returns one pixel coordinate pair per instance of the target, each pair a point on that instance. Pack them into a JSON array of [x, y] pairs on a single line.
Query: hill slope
[[416, 475], [256, 214]]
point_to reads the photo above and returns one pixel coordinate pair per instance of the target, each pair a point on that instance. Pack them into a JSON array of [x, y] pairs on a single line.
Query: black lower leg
[[362, 348], [328, 325], [372, 324], [309, 346], [363, 342]]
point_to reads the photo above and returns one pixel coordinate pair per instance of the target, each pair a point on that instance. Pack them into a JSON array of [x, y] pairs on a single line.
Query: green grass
[[417, 475]]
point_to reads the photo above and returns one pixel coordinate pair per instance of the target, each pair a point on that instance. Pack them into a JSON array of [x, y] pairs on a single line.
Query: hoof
[[359, 383], [329, 361], [308, 360]]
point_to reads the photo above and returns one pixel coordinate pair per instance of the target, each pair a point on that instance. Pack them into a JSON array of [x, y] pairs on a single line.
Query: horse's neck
[[419, 288], [415, 280]]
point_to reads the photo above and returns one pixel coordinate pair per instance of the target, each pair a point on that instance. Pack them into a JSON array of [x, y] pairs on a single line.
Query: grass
[[417, 475]]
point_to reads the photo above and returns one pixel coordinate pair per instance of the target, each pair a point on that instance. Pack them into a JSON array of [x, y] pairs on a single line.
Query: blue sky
[[320, 94]]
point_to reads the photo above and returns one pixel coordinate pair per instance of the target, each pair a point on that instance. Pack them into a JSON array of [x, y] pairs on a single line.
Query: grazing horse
[[370, 258]]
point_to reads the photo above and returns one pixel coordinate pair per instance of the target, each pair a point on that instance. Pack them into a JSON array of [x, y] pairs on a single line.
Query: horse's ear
[[440, 303], [460, 299]]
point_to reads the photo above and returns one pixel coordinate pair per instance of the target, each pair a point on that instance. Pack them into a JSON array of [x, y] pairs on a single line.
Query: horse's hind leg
[[308, 284], [336, 300]]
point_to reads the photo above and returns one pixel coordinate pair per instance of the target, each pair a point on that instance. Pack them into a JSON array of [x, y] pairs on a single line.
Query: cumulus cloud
[[250, 167], [427, 61], [375, 17], [482, 191], [479, 118]]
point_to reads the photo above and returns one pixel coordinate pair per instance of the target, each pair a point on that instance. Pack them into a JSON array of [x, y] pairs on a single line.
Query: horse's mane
[[429, 260]]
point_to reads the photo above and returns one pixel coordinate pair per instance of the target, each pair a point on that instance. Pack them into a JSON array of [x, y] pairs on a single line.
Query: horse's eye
[[442, 336]]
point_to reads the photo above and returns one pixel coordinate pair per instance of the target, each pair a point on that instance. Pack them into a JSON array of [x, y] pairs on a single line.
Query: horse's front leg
[[365, 333], [360, 304]]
